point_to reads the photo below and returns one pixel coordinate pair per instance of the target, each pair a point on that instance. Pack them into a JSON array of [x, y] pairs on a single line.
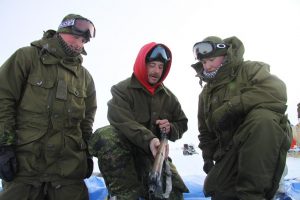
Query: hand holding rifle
[[164, 126], [160, 150]]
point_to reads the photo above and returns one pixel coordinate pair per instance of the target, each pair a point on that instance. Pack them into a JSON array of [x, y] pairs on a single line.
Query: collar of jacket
[[70, 63], [134, 83], [51, 53], [225, 74]]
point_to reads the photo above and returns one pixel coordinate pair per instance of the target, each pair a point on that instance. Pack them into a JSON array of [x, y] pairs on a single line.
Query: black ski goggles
[[82, 27], [207, 49], [159, 53]]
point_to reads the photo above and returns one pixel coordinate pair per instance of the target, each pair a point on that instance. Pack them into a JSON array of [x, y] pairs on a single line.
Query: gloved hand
[[224, 117], [208, 165], [8, 163], [90, 167]]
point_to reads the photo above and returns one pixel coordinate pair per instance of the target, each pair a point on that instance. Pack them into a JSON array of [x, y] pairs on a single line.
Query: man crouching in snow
[[140, 108], [244, 132]]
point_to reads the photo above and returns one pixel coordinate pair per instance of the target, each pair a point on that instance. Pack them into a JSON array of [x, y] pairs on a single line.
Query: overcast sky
[[269, 29]]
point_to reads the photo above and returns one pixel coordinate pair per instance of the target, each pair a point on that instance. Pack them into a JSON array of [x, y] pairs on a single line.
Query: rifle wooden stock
[[155, 183]]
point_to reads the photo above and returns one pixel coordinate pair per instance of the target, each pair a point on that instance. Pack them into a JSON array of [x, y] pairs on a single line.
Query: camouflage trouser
[[125, 167]]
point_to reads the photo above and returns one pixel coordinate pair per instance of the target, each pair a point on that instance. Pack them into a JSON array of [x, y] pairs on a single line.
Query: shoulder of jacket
[[26, 53], [256, 65], [28, 50], [122, 84]]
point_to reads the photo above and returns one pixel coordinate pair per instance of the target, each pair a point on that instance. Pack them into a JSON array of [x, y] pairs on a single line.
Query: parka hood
[[51, 52], [49, 42], [140, 70], [234, 57]]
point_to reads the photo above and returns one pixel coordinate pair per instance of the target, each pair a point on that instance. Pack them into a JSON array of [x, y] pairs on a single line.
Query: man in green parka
[[47, 109], [140, 108], [244, 132]]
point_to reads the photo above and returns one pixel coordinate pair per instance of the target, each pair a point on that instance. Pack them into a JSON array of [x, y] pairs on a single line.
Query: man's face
[[213, 63], [154, 70], [75, 42]]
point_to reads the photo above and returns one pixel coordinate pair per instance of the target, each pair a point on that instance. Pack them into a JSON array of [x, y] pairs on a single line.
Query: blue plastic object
[[97, 189]]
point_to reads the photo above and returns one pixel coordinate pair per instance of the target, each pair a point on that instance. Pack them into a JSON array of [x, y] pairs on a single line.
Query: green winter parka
[[240, 85], [47, 109], [136, 106], [250, 155]]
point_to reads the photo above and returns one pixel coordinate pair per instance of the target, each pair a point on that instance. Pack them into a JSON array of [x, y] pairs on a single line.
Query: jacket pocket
[[76, 105], [75, 154], [36, 94], [74, 142], [27, 136]]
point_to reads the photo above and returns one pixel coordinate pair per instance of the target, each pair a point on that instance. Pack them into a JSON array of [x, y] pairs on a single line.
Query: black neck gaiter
[[67, 49]]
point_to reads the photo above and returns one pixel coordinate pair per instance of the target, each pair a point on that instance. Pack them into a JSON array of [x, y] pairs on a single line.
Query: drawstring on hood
[[140, 70]]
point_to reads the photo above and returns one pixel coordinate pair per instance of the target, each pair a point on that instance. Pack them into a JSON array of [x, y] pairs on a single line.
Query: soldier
[[47, 109], [141, 106], [244, 132]]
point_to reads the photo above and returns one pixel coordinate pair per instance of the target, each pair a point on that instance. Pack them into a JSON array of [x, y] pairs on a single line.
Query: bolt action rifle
[[160, 182]]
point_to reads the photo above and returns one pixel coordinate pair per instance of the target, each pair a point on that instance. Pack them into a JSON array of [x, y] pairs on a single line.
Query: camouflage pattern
[[125, 168], [250, 156], [7, 138], [47, 109]]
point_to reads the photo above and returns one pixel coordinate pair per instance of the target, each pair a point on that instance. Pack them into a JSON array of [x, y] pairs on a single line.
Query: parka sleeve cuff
[[146, 145], [173, 135]]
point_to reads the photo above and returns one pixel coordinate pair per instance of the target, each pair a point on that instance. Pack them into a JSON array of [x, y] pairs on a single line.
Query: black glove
[[90, 167], [8, 163], [208, 165]]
